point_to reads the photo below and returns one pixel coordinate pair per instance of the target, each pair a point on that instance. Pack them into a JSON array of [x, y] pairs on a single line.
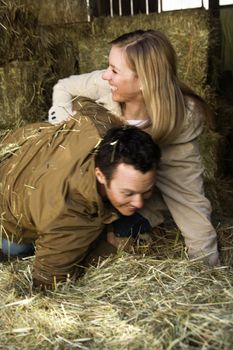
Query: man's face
[[127, 189]]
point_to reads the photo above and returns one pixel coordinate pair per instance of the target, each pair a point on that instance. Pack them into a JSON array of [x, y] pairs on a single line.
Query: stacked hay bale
[[21, 69], [31, 60]]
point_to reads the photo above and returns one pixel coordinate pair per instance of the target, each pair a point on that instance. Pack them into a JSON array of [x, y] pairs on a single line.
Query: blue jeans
[[14, 249]]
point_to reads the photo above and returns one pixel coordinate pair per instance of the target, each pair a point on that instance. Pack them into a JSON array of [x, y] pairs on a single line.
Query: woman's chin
[[116, 97]]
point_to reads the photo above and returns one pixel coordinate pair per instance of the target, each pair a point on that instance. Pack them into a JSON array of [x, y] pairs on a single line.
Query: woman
[[141, 85]]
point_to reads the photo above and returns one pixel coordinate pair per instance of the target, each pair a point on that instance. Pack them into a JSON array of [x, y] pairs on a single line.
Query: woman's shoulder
[[195, 117], [195, 108]]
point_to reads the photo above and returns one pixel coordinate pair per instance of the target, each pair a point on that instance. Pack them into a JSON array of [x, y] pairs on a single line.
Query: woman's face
[[124, 83]]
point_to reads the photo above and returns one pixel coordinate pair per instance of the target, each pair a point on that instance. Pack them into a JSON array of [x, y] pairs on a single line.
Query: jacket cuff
[[211, 258]]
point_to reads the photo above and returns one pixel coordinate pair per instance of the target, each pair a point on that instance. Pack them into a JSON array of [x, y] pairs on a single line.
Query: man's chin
[[128, 212]]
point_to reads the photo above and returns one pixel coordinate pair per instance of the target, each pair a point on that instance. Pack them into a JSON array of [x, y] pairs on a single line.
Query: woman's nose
[[106, 74]]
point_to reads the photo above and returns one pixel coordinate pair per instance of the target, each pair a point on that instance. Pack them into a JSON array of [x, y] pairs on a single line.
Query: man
[[60, 185]]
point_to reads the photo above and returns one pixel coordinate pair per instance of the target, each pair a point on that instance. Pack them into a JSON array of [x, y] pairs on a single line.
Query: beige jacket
[[180, 176], [48, 191]]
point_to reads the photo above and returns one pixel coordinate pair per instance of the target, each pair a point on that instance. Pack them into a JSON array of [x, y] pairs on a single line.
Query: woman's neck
[[134, 111]]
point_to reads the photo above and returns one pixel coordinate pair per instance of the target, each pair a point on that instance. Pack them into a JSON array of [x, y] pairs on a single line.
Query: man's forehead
[[127, 178], [129, 170]]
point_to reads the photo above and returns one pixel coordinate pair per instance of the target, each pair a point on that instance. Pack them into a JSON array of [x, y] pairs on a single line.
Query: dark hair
[[129, 145]]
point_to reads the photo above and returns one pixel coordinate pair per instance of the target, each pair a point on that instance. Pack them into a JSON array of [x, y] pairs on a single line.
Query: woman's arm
[[89, 85], [181, 184]]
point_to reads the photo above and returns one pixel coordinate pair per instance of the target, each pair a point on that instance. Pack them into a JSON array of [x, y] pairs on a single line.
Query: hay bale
[[62, 11], [227, 33], [31, 62], [20, 88], [18, 37], [65, 59]]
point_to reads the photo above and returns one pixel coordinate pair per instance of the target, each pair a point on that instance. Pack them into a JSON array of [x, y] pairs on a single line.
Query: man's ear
[[100, 176]]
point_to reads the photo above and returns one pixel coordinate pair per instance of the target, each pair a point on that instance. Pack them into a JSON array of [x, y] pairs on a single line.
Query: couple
[[141, 88]]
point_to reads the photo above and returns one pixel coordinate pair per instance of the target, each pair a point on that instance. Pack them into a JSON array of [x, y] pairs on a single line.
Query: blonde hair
[[153, 59]]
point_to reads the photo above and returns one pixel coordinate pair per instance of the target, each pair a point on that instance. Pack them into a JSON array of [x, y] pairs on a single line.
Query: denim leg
[[14, 249], [130, 226]]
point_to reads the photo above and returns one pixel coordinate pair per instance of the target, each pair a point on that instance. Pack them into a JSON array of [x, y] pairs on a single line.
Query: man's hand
[[42, 286], [124, 243]]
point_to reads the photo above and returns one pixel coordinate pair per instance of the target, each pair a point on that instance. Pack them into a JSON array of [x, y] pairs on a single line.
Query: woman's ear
[[100, 176]]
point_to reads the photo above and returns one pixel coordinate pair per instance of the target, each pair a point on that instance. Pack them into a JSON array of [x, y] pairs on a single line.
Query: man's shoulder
[[100, 117]]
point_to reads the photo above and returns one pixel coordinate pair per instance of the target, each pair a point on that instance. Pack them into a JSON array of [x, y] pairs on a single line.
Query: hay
[[31, 62], [22, 73], [62, 11], [126, 302], [20, 88], [226, 33], [18, 36], [209, 146]]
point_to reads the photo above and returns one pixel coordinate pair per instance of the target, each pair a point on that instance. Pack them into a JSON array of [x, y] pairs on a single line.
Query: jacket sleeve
[[64, 242], [181, 184], [61, 249], [89, 85]]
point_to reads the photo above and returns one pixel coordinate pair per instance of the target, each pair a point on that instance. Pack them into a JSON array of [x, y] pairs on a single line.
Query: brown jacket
[[48, 192]]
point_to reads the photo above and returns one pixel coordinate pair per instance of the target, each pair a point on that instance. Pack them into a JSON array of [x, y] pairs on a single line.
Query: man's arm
[[60, 251]]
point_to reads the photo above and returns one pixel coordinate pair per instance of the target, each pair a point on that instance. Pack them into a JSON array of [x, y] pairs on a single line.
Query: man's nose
[[138, 201]]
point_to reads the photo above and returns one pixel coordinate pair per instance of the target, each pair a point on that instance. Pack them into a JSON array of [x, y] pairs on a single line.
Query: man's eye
[[128, 194]]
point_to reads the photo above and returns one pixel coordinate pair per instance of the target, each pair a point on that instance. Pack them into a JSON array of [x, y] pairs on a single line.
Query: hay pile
[[160, 301]]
